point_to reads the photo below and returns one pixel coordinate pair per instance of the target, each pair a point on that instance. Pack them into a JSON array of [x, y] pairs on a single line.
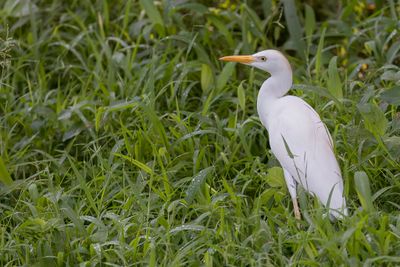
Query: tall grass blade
[[5, 176], [318, 57], [294, 27], [310, 23], [139, 164], [241, 96]]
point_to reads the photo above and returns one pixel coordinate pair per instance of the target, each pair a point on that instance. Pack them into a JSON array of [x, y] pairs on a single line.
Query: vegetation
[[129, 143]]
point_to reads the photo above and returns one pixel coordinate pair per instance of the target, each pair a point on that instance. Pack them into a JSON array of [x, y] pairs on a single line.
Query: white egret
[[297, 136]]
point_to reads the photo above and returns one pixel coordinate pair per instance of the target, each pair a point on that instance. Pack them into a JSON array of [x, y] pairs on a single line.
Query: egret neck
[[271, 90]]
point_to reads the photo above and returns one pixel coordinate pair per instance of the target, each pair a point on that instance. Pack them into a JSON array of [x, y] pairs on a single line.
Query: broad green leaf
[[370, 46], [334, 83], [33, 224], [393, 52], [390, 75], [19, 8], [152, 12], [392, 96], [267, 195], [197, 182], [195, 7], [363, 190], [267, 7], [392, 143], [33, 192], [241, 96], [5, 176], [226, 73], [374, 118], [207, 78], [275, 177]]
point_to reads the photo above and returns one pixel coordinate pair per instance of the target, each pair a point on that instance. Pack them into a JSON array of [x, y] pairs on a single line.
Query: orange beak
[[241, 59]]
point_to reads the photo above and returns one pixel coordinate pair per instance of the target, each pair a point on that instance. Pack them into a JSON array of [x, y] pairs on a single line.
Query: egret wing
[[303, 146]]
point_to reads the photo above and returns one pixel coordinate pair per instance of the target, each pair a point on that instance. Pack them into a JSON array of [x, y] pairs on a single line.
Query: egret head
[[271, 61]]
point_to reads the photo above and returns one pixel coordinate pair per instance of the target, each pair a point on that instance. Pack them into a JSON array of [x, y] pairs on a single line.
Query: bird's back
[[303, 146]]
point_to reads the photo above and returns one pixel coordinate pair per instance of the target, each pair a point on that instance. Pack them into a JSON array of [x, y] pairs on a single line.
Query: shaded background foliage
[[130, 144]]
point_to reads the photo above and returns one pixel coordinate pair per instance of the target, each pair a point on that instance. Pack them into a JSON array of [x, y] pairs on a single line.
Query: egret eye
[[263, 58]]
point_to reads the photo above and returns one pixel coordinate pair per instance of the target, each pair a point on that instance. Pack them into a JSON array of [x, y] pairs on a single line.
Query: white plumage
[[298, 138]]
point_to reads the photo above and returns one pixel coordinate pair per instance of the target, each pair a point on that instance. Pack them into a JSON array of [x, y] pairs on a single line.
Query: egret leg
[[292, 185]]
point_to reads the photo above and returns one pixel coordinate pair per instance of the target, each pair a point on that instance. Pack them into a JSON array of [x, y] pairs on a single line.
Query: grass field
[[129, 143]]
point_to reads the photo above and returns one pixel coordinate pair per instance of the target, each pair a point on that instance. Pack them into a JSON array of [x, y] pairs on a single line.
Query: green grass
[[129, 143]]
